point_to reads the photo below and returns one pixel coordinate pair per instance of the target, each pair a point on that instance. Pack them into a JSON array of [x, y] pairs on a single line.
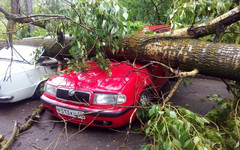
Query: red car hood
[[96, 79]]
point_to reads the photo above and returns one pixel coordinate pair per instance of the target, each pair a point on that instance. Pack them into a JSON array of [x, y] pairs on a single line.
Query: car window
[[164, 30], [19, 53]]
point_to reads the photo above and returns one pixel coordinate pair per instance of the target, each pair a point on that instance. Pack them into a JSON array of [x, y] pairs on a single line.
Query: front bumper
[[114, 117], [6, 98]]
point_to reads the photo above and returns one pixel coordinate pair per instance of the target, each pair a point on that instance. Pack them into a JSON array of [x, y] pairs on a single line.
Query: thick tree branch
[[207, 28], [31, 119], [4, 12]]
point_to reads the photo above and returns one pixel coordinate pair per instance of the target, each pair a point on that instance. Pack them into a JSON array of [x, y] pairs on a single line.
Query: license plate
[[70, 112]]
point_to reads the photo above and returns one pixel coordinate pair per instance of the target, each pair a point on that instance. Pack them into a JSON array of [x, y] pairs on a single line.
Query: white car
[[23, 72]]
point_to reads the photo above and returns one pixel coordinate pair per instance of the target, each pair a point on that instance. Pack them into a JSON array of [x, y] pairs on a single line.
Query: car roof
[[19, 53]]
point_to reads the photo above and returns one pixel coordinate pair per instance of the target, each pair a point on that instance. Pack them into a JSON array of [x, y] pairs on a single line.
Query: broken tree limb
[[182, 75], [33, 117], [17, 130], [12, 138], [207, 28]]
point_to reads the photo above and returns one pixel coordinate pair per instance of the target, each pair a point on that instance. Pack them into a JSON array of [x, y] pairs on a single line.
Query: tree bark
[[29, 11], [15, 7], [51, 47], [15, 10], [219, 60]]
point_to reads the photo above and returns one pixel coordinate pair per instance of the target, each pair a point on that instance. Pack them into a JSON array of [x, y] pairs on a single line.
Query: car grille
[[78, 96]]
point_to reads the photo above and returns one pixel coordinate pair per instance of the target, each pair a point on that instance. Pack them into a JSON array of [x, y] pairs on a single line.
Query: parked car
[[156, 28], [94, 98], [23, 72]]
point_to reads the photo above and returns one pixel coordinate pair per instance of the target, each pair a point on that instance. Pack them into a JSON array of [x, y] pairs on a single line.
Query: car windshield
[[20, 53]]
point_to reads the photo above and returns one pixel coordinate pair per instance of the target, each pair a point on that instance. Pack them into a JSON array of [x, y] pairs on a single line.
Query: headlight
[[49, 89], [109, 99]]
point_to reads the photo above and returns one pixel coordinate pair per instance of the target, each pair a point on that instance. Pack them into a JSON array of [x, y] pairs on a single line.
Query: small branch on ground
[[129, 127], [182, 75], [17, 130], [30, 121], [13, 136]]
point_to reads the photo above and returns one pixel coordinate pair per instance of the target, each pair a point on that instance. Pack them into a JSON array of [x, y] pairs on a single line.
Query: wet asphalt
[[51, 133]]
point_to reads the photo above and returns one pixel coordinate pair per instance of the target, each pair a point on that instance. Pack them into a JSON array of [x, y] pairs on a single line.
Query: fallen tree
[[178, 48], [181, 50]]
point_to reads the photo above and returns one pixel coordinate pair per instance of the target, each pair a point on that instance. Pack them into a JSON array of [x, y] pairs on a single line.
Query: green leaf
[[184, 136], [125, 15], [153, 111], [173, 114], [163, 130], [196, 139], [186, 143], [144, 147], [147, 131], [117, 8], [176, 143], [166, 145], [161, 112], [237, 145]]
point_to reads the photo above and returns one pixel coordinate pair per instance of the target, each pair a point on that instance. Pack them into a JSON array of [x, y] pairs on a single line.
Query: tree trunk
[[15, 6], [15, 10], [219, 60], [51, 47], [29, 11]]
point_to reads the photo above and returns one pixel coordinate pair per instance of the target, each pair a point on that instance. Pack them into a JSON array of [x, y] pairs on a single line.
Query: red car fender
[[133, 90]]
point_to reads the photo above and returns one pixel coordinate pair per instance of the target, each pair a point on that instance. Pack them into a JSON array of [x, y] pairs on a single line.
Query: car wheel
[[39, 90], [145, 97]]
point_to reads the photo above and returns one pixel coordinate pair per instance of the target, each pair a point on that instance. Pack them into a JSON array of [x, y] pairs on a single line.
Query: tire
[[39, 90], [146, 97]]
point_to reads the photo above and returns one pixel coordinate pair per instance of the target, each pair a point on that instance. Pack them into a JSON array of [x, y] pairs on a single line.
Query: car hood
[[97, 80], [15, 67]]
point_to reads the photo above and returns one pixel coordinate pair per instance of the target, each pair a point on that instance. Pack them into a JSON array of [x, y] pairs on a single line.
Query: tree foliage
[[148, 11], [93, 24], [174, 127], [190, 12]]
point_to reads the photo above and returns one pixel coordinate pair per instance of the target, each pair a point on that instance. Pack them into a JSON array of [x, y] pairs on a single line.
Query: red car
[[156, 28], [94, 98]]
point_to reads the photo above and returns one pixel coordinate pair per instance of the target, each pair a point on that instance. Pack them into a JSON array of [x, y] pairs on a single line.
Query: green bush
[[173, 127]]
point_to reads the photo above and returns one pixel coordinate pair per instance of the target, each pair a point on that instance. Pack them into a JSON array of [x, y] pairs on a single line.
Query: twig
[[129, 127], [187, 74], [229, 87], [58, 139], [13, 136], [66, 134], [173, 90], [74, 9], [182, 75], [30, 121], [236, 119], [35, 146]]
